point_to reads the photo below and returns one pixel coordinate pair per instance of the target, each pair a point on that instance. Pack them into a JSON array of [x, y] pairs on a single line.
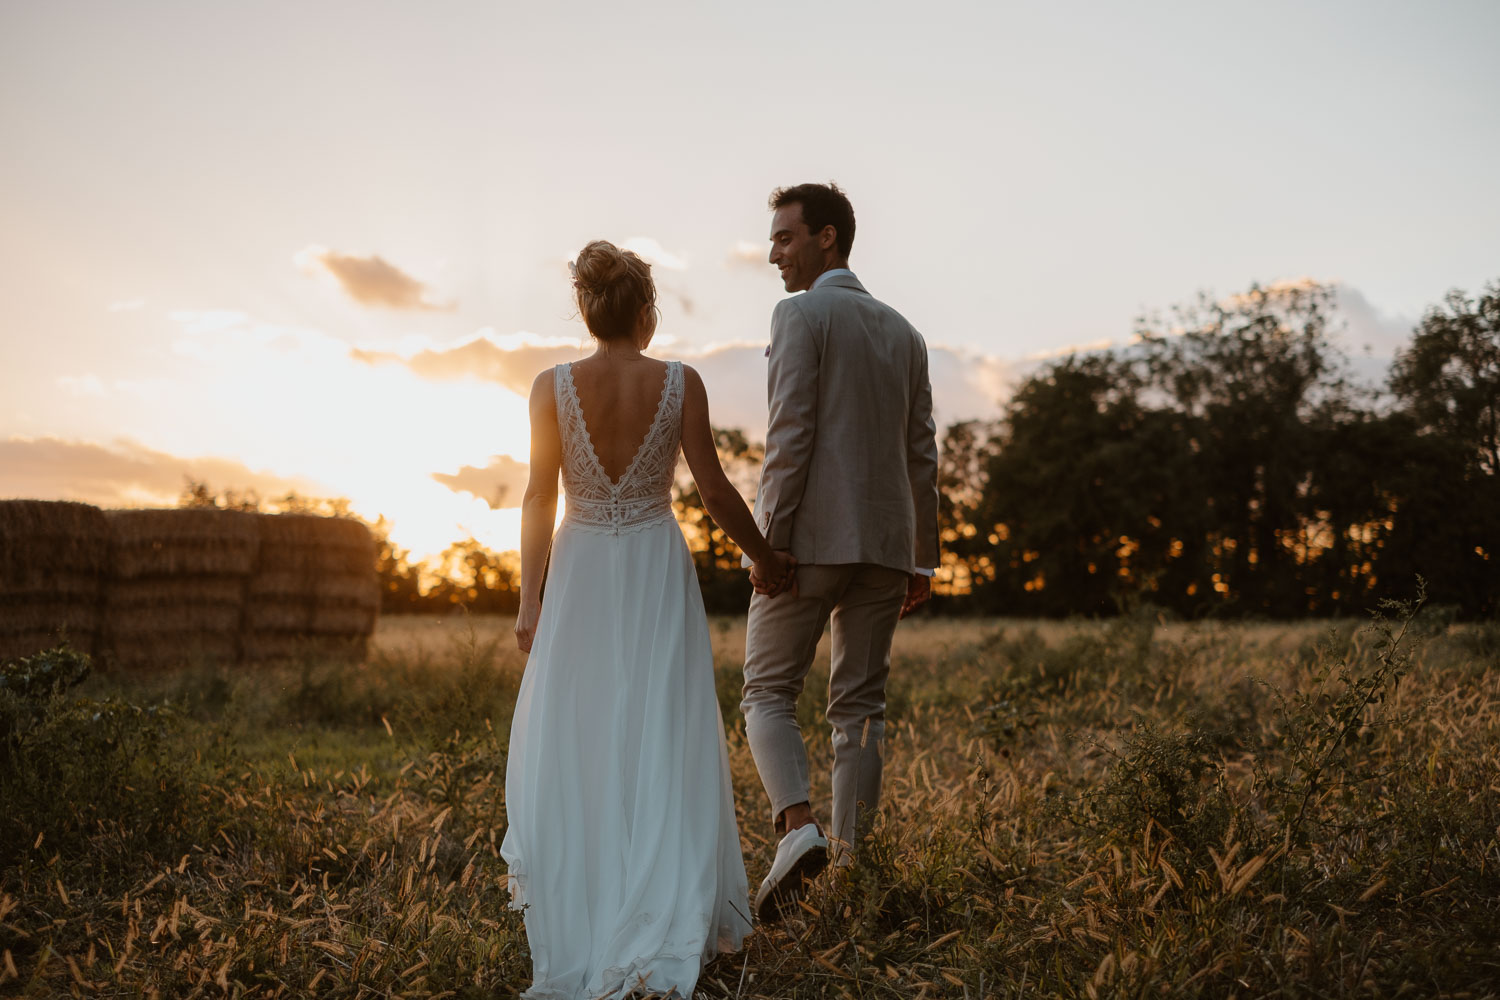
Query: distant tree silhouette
[[1448, 378], [967, 453], [716, 558], [1446, 481], [1250, 379], [478, 579], [400, 581], [1225, 464]]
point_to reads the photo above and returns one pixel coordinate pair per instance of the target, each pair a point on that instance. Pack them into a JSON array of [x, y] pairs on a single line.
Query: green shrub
[[90, 780], [1171, 782]]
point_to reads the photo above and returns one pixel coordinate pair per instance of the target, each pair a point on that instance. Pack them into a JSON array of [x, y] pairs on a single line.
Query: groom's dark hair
[[822, 205]]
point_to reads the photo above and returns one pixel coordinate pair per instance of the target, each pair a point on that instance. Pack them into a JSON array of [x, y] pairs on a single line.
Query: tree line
[[1226, 463]]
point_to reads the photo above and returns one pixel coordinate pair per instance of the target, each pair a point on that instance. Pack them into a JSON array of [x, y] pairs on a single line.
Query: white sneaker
[[801, 855]]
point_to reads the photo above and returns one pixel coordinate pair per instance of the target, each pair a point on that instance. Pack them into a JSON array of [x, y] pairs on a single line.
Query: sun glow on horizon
[[294, 404]]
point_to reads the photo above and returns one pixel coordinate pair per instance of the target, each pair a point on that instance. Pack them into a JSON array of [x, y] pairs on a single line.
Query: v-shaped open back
[[643, 493], [656, 417]]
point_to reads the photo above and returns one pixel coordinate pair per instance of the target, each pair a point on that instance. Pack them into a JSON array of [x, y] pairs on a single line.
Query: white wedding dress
[[622, 847]]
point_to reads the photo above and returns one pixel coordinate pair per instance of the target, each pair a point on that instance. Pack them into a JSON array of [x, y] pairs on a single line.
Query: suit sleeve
[[922, 465], [792, 388]]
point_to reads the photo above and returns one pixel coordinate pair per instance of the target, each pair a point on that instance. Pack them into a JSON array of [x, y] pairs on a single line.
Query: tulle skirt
[[622, 845]]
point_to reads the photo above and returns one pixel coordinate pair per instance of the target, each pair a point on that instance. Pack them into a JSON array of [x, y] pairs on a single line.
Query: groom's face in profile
[[799, 254]]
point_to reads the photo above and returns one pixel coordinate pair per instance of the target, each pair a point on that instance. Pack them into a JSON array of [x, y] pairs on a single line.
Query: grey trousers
[[864, 603]]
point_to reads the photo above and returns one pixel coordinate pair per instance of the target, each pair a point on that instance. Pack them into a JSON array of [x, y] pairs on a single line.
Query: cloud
[[123, 474], [82, 385], [370, 281], [1092, 347], [654, 254], [747, 254], [512, 361], [966, 385], [208, 321], [499, 484], [1357, 324], [1368, 329]]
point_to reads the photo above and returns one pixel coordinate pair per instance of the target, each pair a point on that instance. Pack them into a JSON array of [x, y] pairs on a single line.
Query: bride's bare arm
[[538, 505], [723, 501]]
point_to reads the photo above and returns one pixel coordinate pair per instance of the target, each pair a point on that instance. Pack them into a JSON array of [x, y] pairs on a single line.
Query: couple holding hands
[[623, 849]]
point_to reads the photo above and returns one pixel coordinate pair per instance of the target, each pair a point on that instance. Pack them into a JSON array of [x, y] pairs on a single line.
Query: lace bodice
[[643, 494]]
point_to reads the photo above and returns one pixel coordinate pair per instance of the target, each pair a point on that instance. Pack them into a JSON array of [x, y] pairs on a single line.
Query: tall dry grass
[[1071, 810]]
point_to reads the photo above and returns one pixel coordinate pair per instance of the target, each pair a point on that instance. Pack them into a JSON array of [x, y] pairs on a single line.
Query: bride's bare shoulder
[[542, 387]]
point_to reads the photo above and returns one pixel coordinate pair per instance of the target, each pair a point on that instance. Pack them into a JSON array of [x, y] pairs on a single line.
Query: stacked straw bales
[[314, 591], [139, 588], [53, 557], [177, 588]]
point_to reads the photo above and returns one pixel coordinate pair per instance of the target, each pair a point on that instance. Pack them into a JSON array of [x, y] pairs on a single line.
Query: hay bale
[[278, 615], [55, 548], [177, 589], [362, 589], [143, 650], [184, 604], [307, 543], [284, 647], [173, 543], [172, 619], [314, 617], [315, 594], [48, 614], [346, 620], [53, 558], [159, 592]]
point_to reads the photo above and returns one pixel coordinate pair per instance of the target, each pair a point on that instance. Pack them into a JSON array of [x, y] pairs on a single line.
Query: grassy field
[[1072, 810]]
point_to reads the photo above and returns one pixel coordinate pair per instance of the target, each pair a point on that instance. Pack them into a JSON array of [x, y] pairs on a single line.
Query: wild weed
[[1124, 809]]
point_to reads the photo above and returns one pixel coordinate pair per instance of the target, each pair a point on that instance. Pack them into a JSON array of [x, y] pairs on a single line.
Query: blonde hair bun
[[613, 287]]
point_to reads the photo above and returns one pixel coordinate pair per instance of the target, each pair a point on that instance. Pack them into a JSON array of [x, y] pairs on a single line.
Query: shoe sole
[[776, 901]]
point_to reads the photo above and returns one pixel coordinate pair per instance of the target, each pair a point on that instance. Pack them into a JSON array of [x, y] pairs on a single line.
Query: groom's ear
[[827, 236]]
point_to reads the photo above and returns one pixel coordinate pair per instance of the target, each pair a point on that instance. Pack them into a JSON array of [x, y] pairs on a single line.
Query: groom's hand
[[778, 575], [918, 592]]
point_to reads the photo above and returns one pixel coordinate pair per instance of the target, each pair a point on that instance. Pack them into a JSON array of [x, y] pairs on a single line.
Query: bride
[[622, 846]]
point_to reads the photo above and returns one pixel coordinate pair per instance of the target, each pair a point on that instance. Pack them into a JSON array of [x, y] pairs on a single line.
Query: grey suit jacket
[[850, 474]]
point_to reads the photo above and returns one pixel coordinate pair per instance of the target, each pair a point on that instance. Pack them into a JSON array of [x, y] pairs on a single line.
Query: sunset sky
[[322, 246]]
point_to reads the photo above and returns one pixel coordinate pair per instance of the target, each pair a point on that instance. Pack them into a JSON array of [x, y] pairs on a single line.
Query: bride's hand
[[526, 619], [775, 575]]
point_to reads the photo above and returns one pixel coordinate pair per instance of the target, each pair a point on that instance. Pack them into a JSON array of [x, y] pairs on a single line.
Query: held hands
[[776, 575], [918, 592]]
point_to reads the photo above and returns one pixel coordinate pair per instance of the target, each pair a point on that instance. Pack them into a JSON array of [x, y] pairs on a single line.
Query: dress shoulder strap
[[562, 391], [675, 391]]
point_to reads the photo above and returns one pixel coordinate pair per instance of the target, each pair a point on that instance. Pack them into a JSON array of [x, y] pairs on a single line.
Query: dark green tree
[[964, 459], [1448, 378], [1247, 378], [725, 585], [1221, 464], [1446, 476], [1081, 483]]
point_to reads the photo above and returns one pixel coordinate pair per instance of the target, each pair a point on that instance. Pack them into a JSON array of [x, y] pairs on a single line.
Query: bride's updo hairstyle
[[613, 286]]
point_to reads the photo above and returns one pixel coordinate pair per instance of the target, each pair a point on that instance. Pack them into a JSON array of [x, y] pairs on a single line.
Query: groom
[[849, 486]]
